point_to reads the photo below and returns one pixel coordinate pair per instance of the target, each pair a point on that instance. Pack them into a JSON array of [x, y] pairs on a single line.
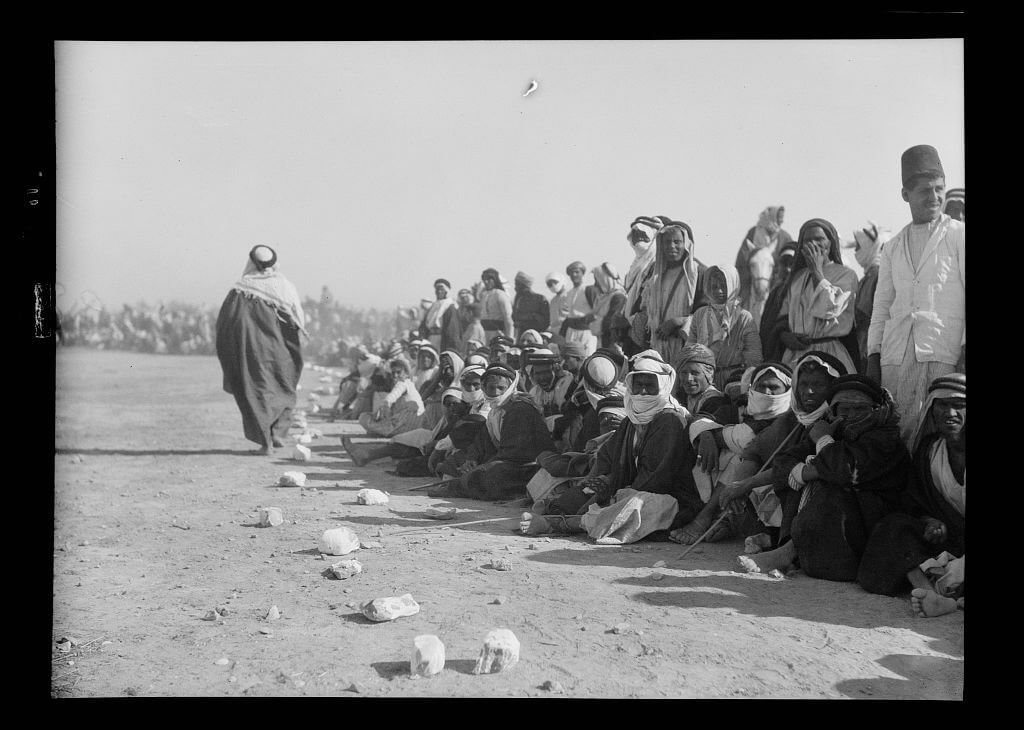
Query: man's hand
[[934, 531], [733, 492], [466, 467], [874, 368], [707, 452], [821, 427], [794, 341]]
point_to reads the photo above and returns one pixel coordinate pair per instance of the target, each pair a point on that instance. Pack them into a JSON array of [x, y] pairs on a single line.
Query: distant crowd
[[178, 328]]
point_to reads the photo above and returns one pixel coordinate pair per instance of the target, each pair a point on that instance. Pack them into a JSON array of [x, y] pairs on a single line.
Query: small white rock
[[304, 438], [273, 614], [301, 453], [292, 479], [338, 541], [345, 569], [223, 661], [371, 496], [660, 564], [271, 517], [388, 609], [427, 656], [501, 563], [500, 652]]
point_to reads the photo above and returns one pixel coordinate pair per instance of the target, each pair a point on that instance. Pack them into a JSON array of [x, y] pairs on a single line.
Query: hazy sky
[[376, 167]]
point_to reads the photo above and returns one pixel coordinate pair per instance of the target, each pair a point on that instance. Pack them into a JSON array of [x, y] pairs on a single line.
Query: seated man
[[641, 482], [695, 369], [730, 453], [354, 383], [449, 453], [502, 459], [550, 384], [401, 410], [414, 447], [850, 471], [559, 470], [922, 546], [600, 375], [432, 385]]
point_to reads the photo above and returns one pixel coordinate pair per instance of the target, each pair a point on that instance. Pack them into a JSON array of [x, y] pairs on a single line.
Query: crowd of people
[[825, 430], [177, 328]]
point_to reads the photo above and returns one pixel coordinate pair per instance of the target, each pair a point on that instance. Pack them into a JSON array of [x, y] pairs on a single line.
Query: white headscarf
[[560, 286], [762, 406], [474, 398], [807, 418], [641, 409], [271, 286], [868, 242], [643, 253], [722, 321]]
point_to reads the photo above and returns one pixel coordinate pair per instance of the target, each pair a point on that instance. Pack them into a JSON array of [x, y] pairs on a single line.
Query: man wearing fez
[[917, 330]]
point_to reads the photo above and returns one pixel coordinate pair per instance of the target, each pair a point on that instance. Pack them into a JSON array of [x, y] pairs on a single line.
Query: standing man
[[258, 346], [495, 306], [576, 308], [529, 309], [431, 326], [917, 330]]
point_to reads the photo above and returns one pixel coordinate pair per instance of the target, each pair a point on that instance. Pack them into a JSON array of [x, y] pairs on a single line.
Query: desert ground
[[155, 526]]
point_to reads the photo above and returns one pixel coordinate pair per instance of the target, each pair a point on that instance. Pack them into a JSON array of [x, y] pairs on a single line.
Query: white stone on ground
[[338, 541], [271, 517], [427, 656], [292, 479], [301, 453], [390, 608], [371, 496], [345, 569], [500, 652]]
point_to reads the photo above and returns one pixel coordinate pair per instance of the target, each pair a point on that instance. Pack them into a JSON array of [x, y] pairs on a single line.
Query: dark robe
[[415, 463], [897, 544], [261, 358], [860, 481], [773, 322], [862, 312], [503, 469], [661, 462], [530, 311]]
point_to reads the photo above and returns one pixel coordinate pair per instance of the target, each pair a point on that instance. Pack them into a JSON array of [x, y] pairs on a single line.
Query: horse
[[760, 264]]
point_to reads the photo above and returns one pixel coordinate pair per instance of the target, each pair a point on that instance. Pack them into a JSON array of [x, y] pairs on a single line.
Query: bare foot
[[689, 534], [928, 603], [778, 559], [533, 524], [353, 451]]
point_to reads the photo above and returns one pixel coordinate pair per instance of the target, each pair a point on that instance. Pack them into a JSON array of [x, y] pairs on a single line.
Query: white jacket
[[927, 304]]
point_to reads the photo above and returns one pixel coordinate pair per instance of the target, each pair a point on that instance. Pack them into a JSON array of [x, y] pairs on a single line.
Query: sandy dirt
[[156, 502]]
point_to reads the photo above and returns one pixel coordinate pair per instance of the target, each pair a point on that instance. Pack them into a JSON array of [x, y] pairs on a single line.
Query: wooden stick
[[434, 484], [449, 523], [725, 512]]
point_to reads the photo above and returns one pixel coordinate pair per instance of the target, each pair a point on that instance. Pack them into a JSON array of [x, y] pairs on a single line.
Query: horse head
[[761, 264]]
